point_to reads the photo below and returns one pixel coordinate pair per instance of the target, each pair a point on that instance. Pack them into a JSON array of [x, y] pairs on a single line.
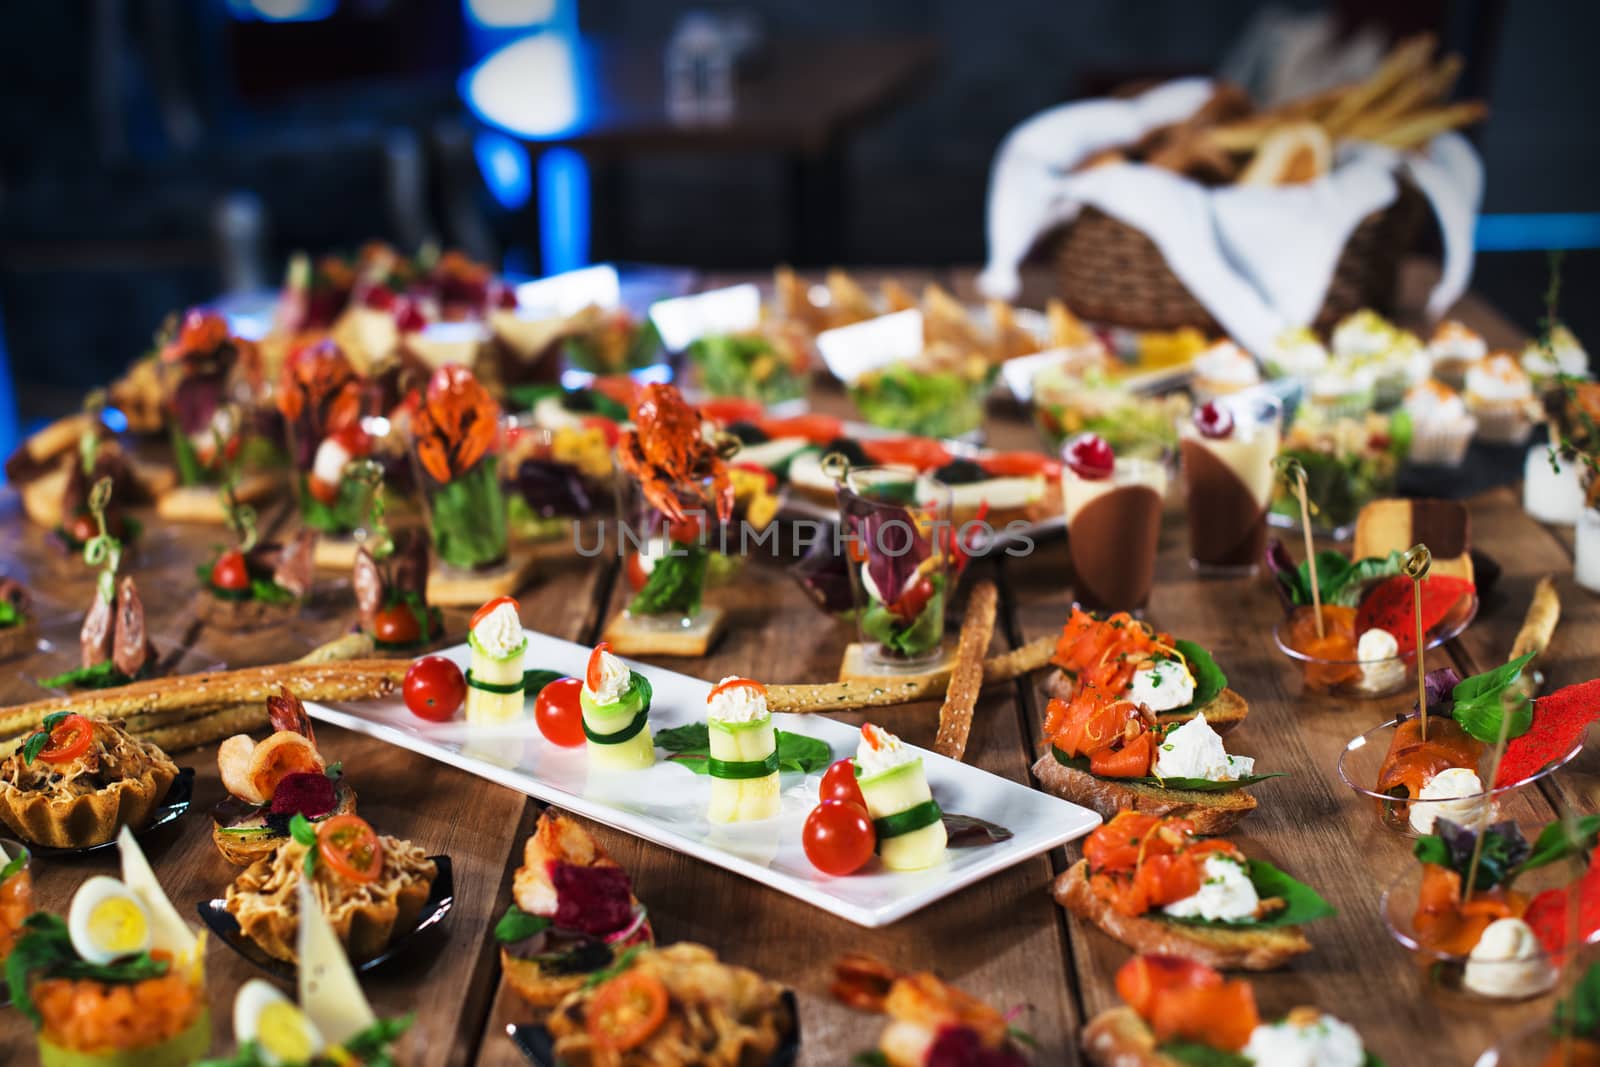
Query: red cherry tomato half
[[484, 612], [839, 783], [351, 847], [817, 428], [230, 571], [636, 573], [1020, 465], [68, 740], [838, 837], [591, 674], [923, 453], [726, 410], [558, 713], [435, 688]]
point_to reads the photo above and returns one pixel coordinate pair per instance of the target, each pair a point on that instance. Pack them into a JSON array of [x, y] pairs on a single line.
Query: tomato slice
[[725, 410], [735, 683], [350, 847], [815, 427], [626, 1011], [68, 740], [1020, 464], [923, 453], [484, 612], [591, 674]]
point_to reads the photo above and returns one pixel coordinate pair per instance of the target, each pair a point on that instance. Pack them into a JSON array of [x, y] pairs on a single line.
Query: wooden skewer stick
[[1297, 477], [1417, 561], [1510, 701]]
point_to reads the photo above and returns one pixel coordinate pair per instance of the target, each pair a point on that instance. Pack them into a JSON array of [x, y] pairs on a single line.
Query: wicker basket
[[1112, 273]]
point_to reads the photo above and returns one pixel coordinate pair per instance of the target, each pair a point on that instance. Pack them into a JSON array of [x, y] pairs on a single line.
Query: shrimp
[[252, 771], [919, 1006], [557, 839]]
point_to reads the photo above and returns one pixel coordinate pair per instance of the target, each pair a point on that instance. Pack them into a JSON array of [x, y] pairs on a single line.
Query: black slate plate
[[441, 898], [536, 1045], [172, 808]]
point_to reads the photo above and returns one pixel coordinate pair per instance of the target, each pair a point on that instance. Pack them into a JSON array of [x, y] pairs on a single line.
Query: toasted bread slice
[[1223, 713], [1253, 949], [633, 637], [242, 850], [1211, 813], [1119, 1038], [1391, 525]]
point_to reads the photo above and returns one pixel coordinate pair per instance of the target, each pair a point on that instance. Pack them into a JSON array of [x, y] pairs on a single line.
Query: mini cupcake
[[1222, 369], [1562, 356], [1453, 348], [1500, 394], [1341, 390], [1297, 353], [1441, 427], [1363, 333], [1396, 368]]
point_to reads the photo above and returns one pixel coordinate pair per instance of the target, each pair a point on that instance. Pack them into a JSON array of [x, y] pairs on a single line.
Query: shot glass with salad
[[901, 543], [325, 405], [457, 447], [1349, 463]]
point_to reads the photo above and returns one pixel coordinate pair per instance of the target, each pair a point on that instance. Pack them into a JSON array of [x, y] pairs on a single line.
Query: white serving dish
[[667, 803]]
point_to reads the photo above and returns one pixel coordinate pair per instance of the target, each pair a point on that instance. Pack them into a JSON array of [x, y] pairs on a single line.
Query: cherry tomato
[[397, 625], [735, 683], [626, 1011], [351, 848], [726, 410], [558, 713], [608, 427], [68, 740], [923, 453], [323, 492], [1020, 465], [485, 611], [592, 674], [434, 688], [815, 427], [910, 603], [83, 529], [636, 572], [688, 531], [230, 571], [354, 440], [839, 783], [838, 837]]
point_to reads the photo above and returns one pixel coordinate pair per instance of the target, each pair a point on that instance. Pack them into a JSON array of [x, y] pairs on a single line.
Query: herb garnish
[[690, 745], [40, 738]]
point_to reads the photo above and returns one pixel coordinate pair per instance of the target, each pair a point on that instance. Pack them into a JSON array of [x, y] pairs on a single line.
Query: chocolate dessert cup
[[1227, 448]]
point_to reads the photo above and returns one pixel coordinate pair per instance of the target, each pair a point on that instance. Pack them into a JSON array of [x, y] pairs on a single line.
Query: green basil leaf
[[675, 584], [1195, 1054], [690, 746], [1478, 707], [100, 676], [270, 592], [302, 831], [1555, 842], [1193, 785], [19, 861], [1432, 849], [1302, 904], [870, 1058], [1209, 681], [692, 738], [1363, 571], [1579, 1012], [371, 1047], [518, 925], [799, 752], [533, 681], [622, 963]]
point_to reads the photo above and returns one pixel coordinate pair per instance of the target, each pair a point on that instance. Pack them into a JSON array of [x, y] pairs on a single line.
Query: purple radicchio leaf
[[824, 574], [1285, 573], [1439, 684], [1504, 848], [553, 489], [889, 536], [195, 401]]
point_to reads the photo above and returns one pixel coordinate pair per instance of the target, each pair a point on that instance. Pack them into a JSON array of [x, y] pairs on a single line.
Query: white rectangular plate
[[667, 803]]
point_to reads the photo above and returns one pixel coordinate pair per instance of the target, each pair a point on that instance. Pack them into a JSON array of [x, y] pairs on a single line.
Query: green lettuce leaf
[[675, 585], [518, 925], [1193, 785]]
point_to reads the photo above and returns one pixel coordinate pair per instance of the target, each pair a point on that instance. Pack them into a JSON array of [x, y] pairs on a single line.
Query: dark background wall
[[110, 183]]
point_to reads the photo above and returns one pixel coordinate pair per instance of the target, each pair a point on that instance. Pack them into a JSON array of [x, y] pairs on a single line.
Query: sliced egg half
[[280, 1029], [107, 921]]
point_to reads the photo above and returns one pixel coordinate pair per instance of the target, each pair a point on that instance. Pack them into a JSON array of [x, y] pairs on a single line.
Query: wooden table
[[1003, 939]]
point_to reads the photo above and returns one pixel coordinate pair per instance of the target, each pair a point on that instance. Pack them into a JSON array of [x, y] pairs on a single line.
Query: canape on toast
[[1180, 1012], [271, 781], [931, 1023], [573, 913], [1112, 754], [54, 470], [1152, 884], [19, 631], [390, 579]]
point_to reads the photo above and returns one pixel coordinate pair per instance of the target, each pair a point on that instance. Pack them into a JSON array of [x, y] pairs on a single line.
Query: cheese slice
[[329, 993], [167, 929]]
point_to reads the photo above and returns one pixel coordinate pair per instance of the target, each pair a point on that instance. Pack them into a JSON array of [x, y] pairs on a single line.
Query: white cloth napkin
[[1259, 258]]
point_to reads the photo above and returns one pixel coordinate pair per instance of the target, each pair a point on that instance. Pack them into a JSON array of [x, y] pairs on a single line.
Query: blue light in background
[[563, 210], [114, 419], [529, 88], [281, 10], [10, 435], [505, 167], [511, 14], [1537, 232]]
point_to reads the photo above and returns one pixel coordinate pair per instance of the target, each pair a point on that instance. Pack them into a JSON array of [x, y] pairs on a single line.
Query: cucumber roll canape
[[616, 714], [494, 679], [910, 825], [744, 752]]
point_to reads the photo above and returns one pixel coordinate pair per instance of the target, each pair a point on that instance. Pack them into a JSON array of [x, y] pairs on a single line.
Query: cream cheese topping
[[1194, 750], [1508, 961], [1226, 893], [330, 461], [1165, 685], [1564, 356], [1364, 333], [614, 680], [1449, 790], [740, 703], [880, 751], [1381, 666], [1320, 1042], [1498, 378], [500, 632]]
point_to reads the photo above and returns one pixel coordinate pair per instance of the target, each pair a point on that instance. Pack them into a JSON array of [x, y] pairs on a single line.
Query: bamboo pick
[[1508, 703], [1298, 472], [1417, 561]]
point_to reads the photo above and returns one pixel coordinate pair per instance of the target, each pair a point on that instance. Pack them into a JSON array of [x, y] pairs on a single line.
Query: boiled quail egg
[[107, 921], [278, 1027]]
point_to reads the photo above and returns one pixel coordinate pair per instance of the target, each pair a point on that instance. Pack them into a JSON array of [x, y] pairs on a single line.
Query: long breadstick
[[1539, 625], [854, 696], [1406, 59], [1425, 125], [966, 673]]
